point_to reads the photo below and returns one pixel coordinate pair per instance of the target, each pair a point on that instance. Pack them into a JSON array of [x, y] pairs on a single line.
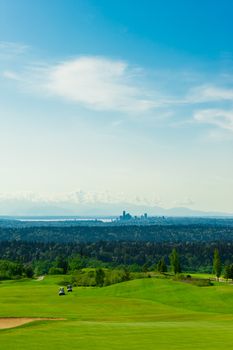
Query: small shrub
[[199, 282], [55, 271], [202, 282]]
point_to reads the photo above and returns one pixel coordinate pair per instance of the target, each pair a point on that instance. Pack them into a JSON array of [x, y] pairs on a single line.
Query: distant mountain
[[27, 207]]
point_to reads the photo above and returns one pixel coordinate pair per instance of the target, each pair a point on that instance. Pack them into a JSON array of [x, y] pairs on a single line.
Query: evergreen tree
[[28, 270], [145, 267], [126, 274], [161, 266], [62, 263], [99, 277], [217, 265], [175, 261], [227, 272]]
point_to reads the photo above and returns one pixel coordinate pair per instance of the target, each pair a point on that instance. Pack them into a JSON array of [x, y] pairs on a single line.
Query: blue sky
[[117, 101]]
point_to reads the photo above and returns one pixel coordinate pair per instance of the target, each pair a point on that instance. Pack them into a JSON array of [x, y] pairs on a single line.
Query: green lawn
[[140, 314]]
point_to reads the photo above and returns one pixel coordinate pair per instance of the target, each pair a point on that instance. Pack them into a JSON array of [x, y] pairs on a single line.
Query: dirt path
[[11, 322], [40, 278]]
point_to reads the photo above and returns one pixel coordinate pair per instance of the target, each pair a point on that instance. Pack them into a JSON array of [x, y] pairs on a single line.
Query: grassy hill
[[140, 314]]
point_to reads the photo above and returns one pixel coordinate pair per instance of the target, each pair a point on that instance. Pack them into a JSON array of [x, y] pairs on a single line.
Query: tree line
[[194, 256], [133, 233], [39, 259]]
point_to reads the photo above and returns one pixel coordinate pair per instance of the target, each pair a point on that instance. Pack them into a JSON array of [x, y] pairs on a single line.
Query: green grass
[[140, 314], [202, 275]]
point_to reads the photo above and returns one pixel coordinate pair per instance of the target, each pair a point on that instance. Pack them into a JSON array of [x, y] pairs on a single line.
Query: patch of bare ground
[[11, 322], [40, 278]]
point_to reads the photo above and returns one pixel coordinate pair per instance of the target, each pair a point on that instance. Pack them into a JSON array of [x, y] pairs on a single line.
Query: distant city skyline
[[117, 102]]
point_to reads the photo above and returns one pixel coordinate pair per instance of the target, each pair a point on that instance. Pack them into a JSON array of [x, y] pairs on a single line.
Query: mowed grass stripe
[[105, 335]]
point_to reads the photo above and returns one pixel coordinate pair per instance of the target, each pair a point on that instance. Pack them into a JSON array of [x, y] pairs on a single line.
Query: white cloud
[[8, 49], [104, 84], [11, 75], [210, 93], [218, 117], [99, 83]]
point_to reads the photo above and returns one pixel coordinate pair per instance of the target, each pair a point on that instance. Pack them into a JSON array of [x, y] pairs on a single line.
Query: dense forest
[[194, 256], [39, 247], [135, 233]]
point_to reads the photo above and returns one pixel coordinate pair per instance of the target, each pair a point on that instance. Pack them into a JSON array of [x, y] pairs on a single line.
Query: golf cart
[[69, 288], [61, 291]]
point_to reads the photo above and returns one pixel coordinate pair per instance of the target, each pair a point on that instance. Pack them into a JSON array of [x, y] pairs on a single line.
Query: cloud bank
[[110, 85], [82, 197]]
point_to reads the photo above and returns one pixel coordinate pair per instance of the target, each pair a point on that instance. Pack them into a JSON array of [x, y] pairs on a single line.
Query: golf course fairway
[[148, 313]]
